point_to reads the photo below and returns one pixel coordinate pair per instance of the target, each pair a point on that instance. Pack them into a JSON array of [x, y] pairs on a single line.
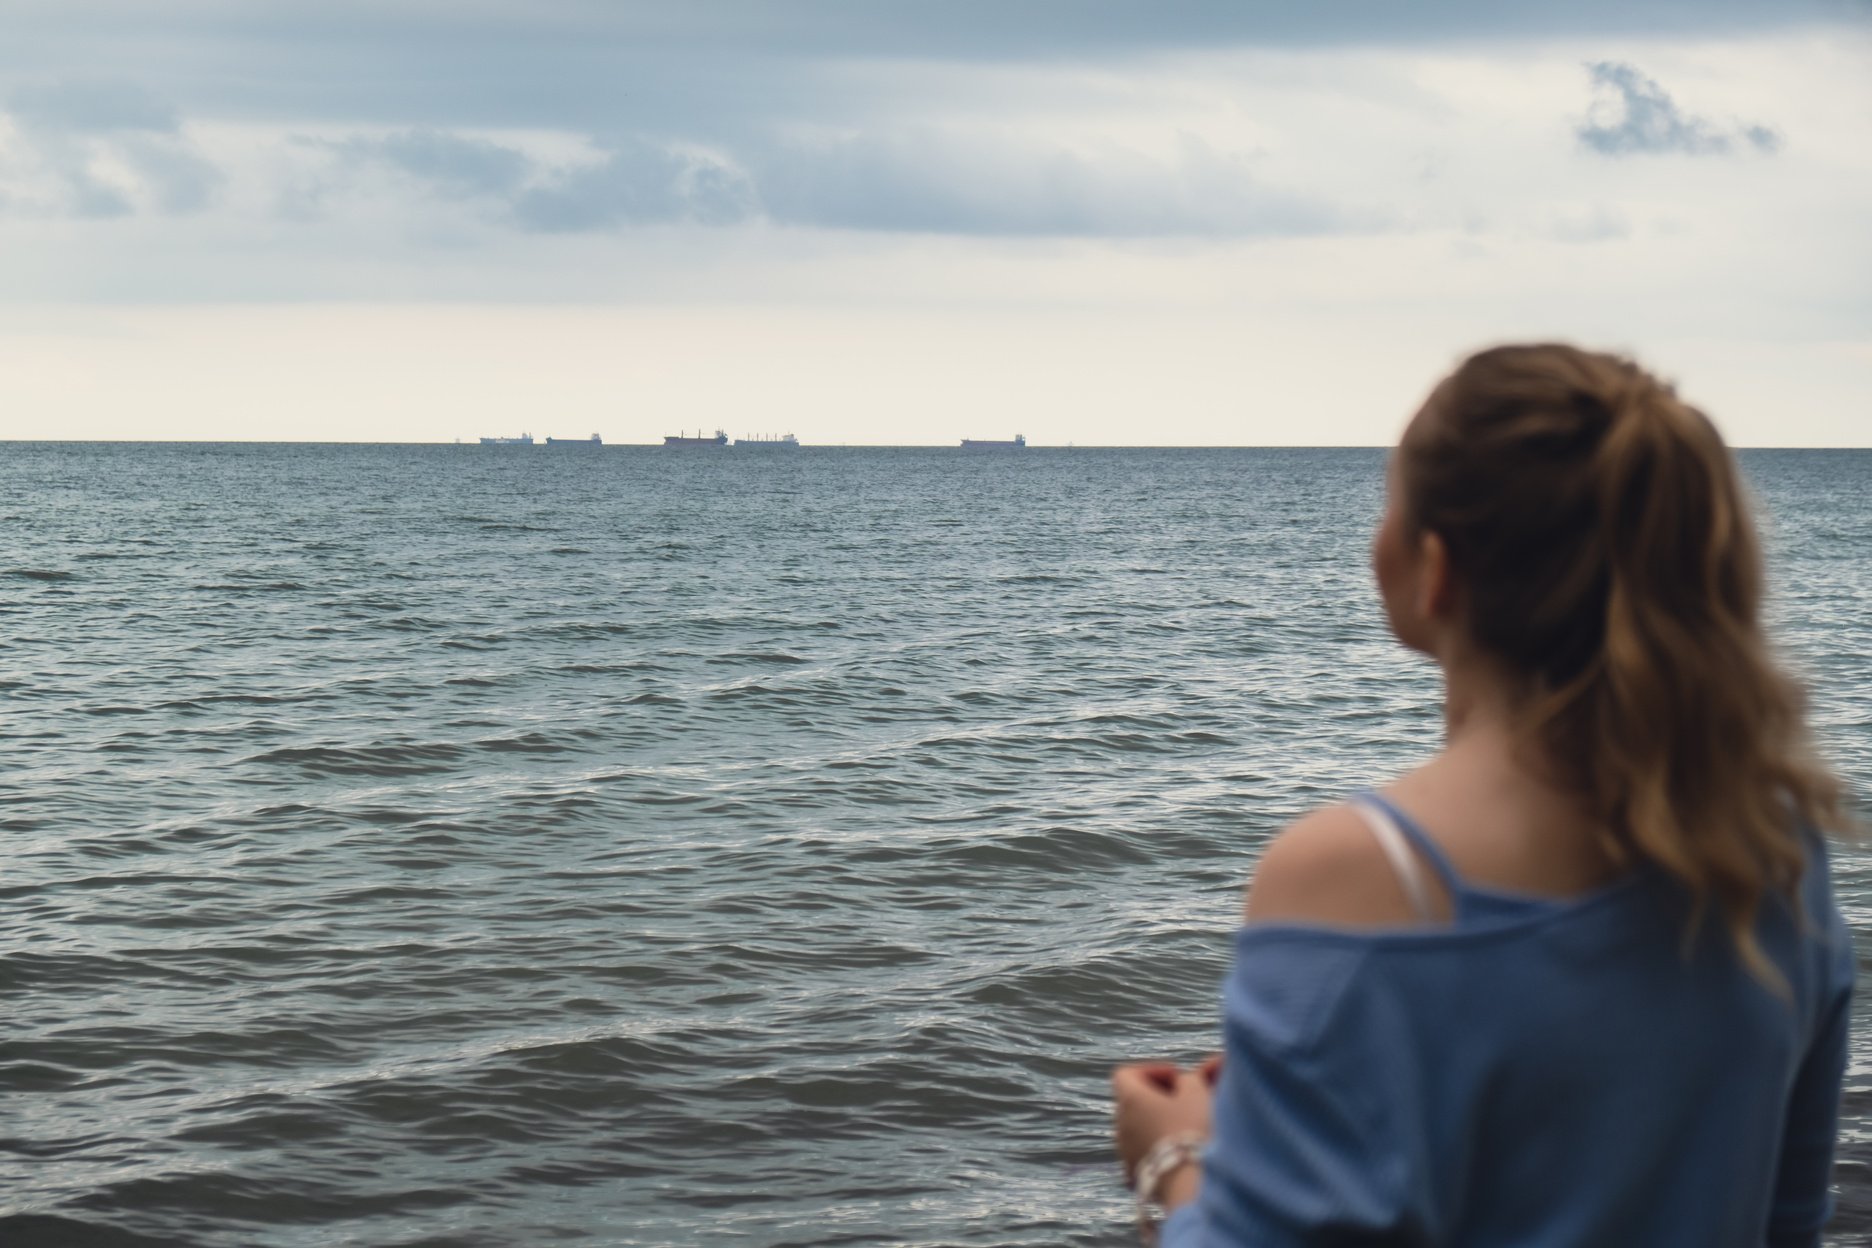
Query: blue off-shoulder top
[[1587, 1073]]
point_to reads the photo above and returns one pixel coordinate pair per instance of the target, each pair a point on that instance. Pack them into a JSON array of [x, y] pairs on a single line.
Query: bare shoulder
[[1329, 870]]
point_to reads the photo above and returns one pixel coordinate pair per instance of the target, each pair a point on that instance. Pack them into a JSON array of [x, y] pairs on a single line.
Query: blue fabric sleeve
[[1183, 1228], [1802, 1194], [1302, 1154]]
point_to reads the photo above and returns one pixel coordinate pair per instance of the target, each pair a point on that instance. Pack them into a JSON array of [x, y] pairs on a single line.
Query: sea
[[448, 845]]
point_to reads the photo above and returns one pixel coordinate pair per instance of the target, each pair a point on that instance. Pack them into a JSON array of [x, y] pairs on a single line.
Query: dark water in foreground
[[430, 845]]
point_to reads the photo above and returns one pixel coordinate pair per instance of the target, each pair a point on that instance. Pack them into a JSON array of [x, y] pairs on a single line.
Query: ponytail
[[1599, 527]]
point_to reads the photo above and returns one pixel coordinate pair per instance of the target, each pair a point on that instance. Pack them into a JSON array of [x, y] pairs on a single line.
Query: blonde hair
[[1600, 531]]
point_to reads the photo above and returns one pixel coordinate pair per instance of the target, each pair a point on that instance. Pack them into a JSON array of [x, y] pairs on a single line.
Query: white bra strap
[[1397, 848]]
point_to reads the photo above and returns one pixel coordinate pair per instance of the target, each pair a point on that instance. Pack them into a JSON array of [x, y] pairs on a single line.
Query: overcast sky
[[1241, 222]]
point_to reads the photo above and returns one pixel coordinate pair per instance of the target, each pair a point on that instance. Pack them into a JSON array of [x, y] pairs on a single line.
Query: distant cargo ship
[[682, 439], [525, 439], [594, 440], [775, 441], [989, 444]]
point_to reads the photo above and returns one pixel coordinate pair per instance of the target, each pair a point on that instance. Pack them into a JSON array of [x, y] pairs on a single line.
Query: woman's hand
[[1158, 1099]]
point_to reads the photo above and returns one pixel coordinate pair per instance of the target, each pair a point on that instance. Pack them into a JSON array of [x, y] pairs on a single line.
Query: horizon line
[[583, 444]]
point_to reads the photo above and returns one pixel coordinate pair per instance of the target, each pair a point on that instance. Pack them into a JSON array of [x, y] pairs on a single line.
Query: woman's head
[[1544, 469], [1599, 552]]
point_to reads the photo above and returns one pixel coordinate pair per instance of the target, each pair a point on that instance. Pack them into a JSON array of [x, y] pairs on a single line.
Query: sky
[[1239, 222]]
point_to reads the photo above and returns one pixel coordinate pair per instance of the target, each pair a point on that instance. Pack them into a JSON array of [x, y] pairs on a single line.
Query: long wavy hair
[[1599, 529]]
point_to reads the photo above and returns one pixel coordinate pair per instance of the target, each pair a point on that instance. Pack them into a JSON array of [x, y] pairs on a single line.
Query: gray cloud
[[634, 181], [640, 182], [901, 180], [929, 182], [94, 149], [1633, 115], [452, 164], [84, 196], [173, 178]]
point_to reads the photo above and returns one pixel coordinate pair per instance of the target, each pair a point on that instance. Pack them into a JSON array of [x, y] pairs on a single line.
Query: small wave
[[251, 587], [38, 1077], [1200, 737], [744, 693], [486, 641], [389, 816], [1044, 989], [226, 699], [982, 697], [663, 797], [587, 630], [383, 760], [1113, 742], [1122, 719], [1054, 851], [524, 743], [358, 606], [42, 574], [610, 669], [400, 623]]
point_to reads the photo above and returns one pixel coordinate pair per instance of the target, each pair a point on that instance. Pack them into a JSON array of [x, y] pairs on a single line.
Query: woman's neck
[[1486, 743], [1477, 701]]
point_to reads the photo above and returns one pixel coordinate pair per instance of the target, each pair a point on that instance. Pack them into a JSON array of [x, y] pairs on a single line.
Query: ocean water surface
[[480, 846]]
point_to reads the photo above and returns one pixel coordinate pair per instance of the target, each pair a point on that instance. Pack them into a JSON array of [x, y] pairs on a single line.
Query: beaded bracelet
[[1166, 1156]]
